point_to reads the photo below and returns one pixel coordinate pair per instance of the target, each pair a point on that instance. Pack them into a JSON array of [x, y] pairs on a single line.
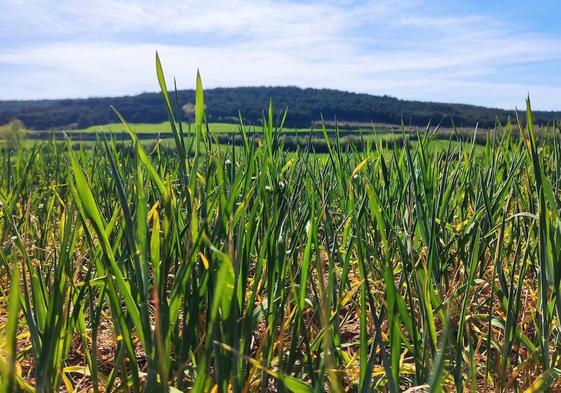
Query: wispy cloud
[[81, 48]]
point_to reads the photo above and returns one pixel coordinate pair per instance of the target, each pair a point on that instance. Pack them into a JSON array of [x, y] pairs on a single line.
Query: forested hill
[[305, 106]]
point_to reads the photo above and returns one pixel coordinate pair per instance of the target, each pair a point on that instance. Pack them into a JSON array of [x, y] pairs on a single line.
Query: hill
[[305, 106]]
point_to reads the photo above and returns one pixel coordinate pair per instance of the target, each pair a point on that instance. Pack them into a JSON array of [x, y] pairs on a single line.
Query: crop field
[[198, 266], [142, 128]]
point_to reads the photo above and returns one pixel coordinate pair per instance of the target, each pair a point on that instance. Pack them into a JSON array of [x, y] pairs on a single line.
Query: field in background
[[141, 128], [191, 264]]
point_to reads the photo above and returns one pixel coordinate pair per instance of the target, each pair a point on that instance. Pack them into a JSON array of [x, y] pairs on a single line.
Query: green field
[[142, 128], [196, 266]]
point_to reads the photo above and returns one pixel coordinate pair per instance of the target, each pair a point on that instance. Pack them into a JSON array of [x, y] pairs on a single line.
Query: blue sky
[[490, 53]]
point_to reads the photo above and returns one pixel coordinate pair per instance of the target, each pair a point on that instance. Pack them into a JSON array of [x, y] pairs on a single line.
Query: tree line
[[305, 107]]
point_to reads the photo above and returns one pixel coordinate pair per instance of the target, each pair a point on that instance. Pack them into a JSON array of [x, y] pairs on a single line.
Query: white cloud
[[227, 17], [83, 48]]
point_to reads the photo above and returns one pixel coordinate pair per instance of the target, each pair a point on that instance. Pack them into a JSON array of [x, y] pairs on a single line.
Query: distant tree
[[13, 134], [189, 111]]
